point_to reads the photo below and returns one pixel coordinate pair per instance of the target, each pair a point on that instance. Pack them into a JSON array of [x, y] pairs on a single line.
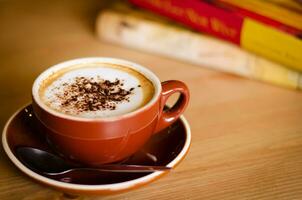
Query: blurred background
[[240, 59]]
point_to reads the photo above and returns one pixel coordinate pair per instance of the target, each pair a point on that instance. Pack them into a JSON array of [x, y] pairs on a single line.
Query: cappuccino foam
[[96, 90]]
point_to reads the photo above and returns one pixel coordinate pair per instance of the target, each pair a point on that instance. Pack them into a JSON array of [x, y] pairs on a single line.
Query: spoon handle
[[115, 168], [133, 168]]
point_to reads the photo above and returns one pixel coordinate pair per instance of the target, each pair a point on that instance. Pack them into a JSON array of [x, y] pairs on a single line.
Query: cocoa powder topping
[[87, 94]]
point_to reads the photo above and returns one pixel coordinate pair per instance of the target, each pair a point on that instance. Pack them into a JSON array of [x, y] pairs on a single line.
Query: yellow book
[[272, 43], [267, 40], [132, 28]]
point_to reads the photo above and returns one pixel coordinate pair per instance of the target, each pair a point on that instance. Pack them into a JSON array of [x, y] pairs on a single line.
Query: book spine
[[198, 15], [285, 12], [282, 26], [248, 33], [163, 39]]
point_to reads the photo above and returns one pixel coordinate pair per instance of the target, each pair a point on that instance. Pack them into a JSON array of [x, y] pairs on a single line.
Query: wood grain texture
[[247, 136]]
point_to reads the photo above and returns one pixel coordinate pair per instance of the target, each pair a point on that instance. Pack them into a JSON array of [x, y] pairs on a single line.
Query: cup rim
[[106, 60]]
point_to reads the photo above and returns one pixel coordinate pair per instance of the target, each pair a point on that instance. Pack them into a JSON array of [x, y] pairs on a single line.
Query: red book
[[217, 18], [198, 15]]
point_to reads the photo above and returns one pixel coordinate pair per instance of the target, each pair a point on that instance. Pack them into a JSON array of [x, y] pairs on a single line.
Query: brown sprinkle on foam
[[87, 94]]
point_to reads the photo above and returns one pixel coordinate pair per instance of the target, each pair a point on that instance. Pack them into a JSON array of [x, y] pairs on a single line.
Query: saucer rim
[[100, 187]]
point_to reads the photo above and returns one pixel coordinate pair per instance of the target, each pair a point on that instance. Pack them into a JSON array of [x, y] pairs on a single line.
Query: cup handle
[[167, 117]]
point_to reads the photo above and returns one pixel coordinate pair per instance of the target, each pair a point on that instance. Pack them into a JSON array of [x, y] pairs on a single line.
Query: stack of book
[[258, 39]]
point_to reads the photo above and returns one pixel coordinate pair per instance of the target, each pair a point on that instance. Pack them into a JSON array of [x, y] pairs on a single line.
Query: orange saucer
[[166, 148]]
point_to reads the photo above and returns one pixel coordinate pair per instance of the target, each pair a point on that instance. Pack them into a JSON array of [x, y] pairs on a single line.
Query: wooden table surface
[[246, 135]]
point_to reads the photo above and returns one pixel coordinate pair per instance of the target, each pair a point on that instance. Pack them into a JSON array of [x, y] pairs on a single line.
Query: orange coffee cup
[[96, 141]]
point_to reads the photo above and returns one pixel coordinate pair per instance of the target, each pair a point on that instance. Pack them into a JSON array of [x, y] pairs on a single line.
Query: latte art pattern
[[93, 92]]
